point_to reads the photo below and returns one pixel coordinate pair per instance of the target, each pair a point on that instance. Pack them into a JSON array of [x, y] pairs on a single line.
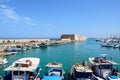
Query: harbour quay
[[64, 38], [7, 43]]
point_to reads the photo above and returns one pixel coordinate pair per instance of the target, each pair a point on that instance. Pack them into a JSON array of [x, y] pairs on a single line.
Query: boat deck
[[81, 68], [100, 61]]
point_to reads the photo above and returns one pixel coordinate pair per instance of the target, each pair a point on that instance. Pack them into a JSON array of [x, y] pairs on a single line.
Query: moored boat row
[[110, 45], [101, 68], [13, 49]]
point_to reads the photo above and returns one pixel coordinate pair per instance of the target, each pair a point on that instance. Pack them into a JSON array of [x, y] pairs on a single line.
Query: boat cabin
[[101, 66], [24, 69]]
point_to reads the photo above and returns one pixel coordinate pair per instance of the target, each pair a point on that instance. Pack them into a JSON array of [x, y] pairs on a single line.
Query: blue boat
[[55, 72], [112, 77]]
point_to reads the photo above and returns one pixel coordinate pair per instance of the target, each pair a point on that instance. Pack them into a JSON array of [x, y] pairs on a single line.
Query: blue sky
[[51, 18]]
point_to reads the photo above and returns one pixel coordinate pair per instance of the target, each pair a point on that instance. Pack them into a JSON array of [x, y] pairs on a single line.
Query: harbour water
[[68, 54]]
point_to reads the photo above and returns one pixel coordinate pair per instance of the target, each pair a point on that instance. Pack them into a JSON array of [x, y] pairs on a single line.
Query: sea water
[[68, 55]]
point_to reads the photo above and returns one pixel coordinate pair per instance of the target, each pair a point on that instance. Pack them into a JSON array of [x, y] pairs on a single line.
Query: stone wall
[[72, 37]]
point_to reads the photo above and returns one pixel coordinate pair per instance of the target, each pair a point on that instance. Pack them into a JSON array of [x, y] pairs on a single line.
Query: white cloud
[[8, 14], [27, 19]]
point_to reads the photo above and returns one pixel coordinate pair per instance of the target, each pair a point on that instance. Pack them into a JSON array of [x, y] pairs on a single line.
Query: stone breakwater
[[4, 41]]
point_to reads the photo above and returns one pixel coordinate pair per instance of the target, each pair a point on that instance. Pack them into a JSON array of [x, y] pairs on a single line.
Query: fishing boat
[[23, 69], [55, 72], [102, 67], [34, 45], [28, 47], [106, 45], [3, 60], [18, 47], [81, 71], [13, 52], [6, 53], [9, 51], [44, 44], [116, 46]]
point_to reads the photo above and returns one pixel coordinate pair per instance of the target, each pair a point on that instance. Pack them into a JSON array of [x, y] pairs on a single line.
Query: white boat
[[23, 69], [102, 67], [28, 47], [3, 60], [116, 46], [106, 45], [6, 53], [44, 44], [55, 72], [81, 72], [35, 45], [13, 52]]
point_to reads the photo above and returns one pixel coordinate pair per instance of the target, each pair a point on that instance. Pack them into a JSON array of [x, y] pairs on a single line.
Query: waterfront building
[[72, 37]]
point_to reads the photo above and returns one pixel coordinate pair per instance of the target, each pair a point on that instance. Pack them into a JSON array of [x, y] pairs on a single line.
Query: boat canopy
[[51, 78], [24, 64]]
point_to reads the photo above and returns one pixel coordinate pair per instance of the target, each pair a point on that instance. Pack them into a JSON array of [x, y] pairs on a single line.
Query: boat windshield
[[105, 66], [18, 73], [83, 75]]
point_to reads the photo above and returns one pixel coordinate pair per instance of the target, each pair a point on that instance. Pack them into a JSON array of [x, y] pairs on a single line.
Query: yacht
[[55, 71], [23, 69], [81, 71]]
